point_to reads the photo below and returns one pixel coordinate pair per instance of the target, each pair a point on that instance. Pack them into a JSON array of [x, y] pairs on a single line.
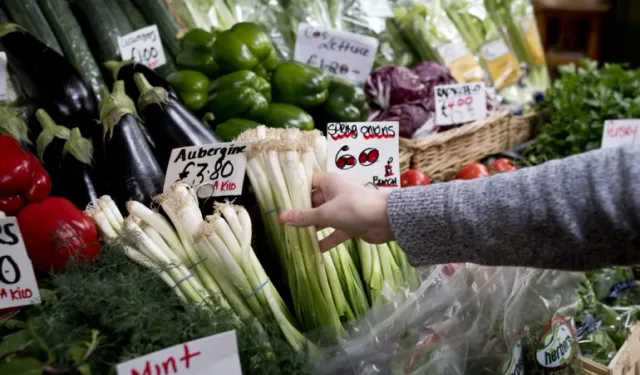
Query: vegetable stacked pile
[[581, 100], [334, 287], [233, 80]]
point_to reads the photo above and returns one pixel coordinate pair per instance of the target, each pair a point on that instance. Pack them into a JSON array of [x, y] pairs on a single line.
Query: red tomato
[[471, 171], [414, 177], [502, 165]]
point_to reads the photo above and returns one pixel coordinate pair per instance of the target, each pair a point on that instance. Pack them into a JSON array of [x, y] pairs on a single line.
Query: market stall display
[[129, 261]]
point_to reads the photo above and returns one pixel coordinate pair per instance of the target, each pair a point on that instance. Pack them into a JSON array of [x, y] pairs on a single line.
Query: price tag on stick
[[365, 152], [620, 133], [212, 170], [339, 53], [460, 103], [18, 285], [217, 354], [144, 46]]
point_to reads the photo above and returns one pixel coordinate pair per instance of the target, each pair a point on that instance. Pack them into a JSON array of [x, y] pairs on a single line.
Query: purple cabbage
[[392, 85], [411, 116]]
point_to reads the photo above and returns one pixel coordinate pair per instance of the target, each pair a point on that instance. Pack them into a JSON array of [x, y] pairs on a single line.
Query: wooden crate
[[626, 361]]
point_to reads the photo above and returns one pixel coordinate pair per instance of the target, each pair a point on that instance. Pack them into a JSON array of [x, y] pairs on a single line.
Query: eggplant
[[66, 156], [125, 71], [169, 123], [130, 165], [48, 80]]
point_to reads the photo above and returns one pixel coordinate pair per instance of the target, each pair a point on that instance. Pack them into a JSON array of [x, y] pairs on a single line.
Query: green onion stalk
[[282, 181], [508, 15], [383, 267]]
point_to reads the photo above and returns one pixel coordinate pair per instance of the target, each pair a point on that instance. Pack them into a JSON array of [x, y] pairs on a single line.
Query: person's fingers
[[319, 180], [317, 198], [302, 218], [334, 239]]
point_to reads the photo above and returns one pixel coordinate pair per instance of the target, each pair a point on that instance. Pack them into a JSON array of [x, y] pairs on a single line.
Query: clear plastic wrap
[[476, 320]]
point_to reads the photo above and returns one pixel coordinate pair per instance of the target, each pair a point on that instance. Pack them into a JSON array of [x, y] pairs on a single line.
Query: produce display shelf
[[446, 152], [626, 361]]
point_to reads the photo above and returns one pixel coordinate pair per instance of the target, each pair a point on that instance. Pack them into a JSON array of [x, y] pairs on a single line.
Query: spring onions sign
[[144, 46], [366, 152], [17, 280]]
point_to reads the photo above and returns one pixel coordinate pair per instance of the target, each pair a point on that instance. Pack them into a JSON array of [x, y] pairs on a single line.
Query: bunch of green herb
[[577, 105], [114, 310]]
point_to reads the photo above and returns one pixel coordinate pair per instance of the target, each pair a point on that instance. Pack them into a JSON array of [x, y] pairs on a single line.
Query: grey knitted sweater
[[577, 213]]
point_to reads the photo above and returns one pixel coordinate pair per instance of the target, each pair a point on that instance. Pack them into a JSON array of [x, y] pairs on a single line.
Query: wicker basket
[[406, 153], [443, 154]]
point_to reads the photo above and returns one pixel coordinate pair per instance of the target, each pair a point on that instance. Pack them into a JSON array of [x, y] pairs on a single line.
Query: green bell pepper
[[192, 87], [283, 115], [231, 128], [196, 52], [245, 46], [346, 103], [242, 78], [239, 95], [299, 84]]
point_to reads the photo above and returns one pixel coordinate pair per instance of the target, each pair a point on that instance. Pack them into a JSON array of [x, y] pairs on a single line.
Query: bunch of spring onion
[[199, 258], [383, 267]]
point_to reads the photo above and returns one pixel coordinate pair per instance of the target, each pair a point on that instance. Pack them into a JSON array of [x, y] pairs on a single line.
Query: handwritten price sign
[[460, 103], [620, 133], [217, 354], [366, 152], [212, 170], [338, 53], [144, 46], [17, 281]]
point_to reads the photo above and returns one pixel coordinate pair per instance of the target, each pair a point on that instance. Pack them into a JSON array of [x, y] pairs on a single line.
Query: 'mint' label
[[339, 53], [17, 280], [217, 354], [212, 170], [460, 103], [367, 153], [144, 46]]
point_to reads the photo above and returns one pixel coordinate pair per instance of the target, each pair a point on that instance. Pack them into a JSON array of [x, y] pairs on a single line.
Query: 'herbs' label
[[515, 366], [556, 345]]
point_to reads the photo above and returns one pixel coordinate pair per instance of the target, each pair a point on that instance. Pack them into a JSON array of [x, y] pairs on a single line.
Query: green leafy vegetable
[[576, 106]]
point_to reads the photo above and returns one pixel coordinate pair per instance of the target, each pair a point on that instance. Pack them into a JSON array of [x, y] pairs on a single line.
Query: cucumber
[[124, 25], [75, 46], [136, 18], [157, 12], [103, 28], [27, 14]]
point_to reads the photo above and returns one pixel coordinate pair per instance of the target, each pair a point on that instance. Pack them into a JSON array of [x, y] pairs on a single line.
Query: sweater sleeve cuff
[[418, 218]]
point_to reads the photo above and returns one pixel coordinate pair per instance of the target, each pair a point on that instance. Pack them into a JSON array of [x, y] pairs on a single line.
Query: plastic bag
[[477, 321]]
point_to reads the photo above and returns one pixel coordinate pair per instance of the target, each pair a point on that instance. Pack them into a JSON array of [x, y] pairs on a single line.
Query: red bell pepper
[[54, 230], [22, 177]]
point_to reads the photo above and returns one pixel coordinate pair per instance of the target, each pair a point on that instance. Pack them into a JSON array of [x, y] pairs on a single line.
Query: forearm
[[577, 213]]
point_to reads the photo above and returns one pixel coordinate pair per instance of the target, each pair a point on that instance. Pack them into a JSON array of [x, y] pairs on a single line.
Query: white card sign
[[339, 53], [4, 77], [18, 285], [365, 152], [217, 354], [460, 103], [144, 46], [620, 133], [212, 170]]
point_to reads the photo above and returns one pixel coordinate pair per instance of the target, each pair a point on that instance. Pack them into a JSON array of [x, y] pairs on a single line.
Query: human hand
[[352, 210]]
